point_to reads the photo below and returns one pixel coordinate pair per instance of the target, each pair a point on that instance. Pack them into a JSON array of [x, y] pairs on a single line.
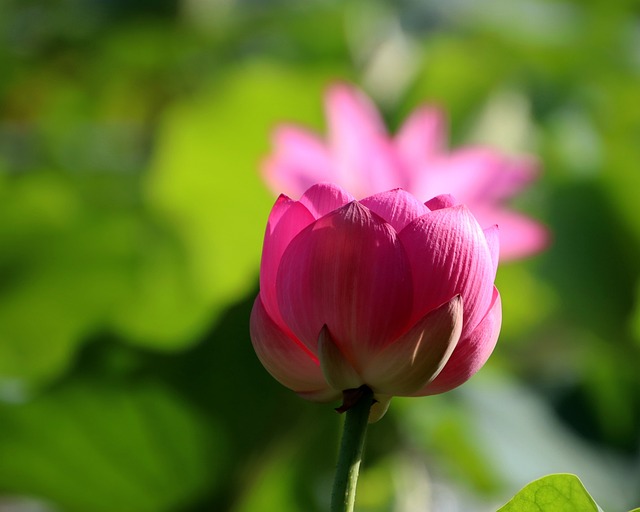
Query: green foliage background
[[131, 219]]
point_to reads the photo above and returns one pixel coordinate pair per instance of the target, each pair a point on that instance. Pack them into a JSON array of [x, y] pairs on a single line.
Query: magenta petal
[[449, 255], [287, 360], [412, 361], [348, 271], [286, 220], [324, 198], [441, 201], [471, 353], [396, 206], [299, 160]]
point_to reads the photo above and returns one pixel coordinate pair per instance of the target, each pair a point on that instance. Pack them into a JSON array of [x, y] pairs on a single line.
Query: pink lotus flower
[[385, 292], [362, 158]]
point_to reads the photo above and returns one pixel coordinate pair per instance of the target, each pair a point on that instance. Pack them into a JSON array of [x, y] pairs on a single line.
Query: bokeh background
[[131, 218]]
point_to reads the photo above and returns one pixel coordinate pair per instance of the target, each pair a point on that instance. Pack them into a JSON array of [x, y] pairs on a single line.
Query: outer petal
[[397, 207], [492, 234], [286, 359], [298, 161], [470, 354], [422, 136], [416, 358], [286, 220], [348, 271], [323, 198], [449, 255], [475, 175]]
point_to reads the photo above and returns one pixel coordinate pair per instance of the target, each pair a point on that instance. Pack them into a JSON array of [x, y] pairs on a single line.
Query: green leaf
[[205, 174], [87, 446], [552, 493]]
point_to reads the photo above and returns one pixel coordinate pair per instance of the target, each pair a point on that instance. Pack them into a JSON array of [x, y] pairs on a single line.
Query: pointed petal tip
[[442, 201], [337, 370], [325, 197]]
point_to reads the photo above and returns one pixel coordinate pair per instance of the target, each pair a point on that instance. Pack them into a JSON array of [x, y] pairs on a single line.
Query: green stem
[[357, 403]]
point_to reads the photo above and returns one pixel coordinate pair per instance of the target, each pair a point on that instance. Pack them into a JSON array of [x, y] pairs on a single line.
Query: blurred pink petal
[[299, 160], [360, 156], [364, 159], [422, 137], [532, 237]]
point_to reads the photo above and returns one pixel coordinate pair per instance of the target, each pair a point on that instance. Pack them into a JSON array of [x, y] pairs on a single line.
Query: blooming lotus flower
[[386, 292], [361, 157]]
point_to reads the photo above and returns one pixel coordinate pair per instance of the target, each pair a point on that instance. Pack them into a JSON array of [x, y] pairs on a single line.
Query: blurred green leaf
[[161, 305], [59, 271], [93, 447], [552, 493], [205, 173]]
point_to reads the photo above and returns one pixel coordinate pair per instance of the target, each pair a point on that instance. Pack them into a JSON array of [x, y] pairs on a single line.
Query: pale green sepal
[[337, 370], [561, 492], [379, 407]]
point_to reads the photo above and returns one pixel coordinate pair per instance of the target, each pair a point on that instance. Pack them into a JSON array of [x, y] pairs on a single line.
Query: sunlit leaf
[[205, 173], [59, 267], [552, 493]]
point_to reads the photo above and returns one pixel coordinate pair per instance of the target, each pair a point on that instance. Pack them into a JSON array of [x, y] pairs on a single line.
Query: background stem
[[343, 496]]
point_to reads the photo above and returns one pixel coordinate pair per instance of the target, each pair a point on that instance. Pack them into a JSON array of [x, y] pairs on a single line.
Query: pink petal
[[397, 207], [471, 353], [441, 201], [286, 359], [349, 110], [324, 198], [365, 159], [449, 255], [348, 271], [298, 161], [474, 175], [286, 220], [422, 136], [492, 234], [413, 360], [520, 236]]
